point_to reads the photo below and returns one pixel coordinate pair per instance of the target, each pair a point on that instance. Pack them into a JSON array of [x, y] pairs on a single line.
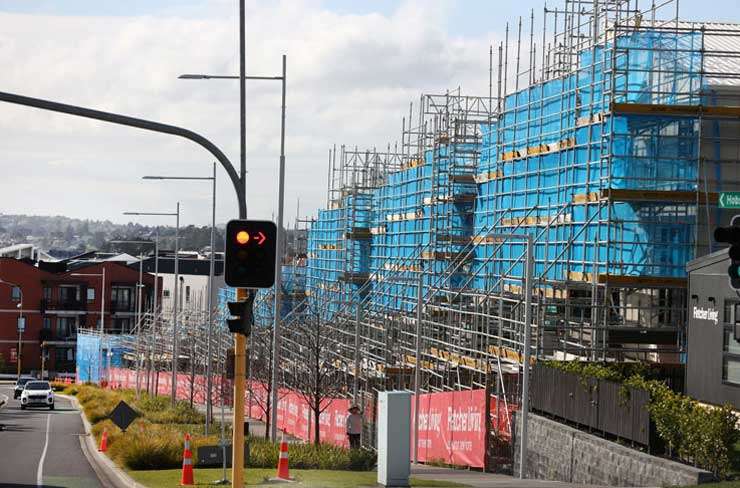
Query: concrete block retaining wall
[[561, 453]]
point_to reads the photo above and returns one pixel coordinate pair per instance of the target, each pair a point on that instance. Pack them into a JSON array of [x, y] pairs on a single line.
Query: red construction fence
[[451, 424]]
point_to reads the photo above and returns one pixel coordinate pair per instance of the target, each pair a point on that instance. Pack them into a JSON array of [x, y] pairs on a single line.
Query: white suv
[[37, 394]]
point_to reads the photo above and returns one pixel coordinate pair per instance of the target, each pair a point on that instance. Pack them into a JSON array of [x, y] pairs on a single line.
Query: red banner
[[451, 424]]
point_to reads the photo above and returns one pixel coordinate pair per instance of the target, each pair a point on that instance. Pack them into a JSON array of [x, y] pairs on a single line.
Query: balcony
[[52, 335], [63, 305]]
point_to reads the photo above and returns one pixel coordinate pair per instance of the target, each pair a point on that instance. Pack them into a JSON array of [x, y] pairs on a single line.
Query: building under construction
[[606, 136]]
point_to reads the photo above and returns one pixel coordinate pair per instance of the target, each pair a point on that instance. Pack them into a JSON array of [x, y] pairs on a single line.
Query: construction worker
[[354, 427]]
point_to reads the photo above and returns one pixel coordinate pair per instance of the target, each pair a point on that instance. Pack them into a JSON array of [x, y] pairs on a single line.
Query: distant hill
[[63, 236]]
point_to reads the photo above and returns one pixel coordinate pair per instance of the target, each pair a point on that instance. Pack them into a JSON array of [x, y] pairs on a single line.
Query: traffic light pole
[[240, 341]]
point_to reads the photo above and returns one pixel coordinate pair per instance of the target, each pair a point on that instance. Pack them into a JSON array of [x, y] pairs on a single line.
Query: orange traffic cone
[[103, 441], [187, 464], [282, 468]]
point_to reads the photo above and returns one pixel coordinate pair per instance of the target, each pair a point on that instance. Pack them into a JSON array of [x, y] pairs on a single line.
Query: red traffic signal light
[[250, 253]]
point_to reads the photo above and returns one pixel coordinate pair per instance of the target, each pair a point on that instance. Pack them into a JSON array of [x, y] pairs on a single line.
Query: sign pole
[[240, 373]]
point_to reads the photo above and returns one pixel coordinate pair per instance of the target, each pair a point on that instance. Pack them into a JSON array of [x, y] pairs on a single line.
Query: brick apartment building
[[58, 298]]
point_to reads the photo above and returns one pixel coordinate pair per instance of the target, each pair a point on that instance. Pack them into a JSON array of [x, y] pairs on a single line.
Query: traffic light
[[241, 318], [731, 235], [250, 253], [229, 366]]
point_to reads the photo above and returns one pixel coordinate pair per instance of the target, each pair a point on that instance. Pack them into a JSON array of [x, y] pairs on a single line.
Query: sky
[[353, 68]]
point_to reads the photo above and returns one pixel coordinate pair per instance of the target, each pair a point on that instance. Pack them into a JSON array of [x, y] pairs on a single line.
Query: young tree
[[260, 364], [320, 377]]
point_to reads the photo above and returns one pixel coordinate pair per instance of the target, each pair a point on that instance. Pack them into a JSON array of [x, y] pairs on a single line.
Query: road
[[39, 447]]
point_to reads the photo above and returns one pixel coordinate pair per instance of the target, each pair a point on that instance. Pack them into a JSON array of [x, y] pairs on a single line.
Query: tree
[[320, 377], [260, 364]]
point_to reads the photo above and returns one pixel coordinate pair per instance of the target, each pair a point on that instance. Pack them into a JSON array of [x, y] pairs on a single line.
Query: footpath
[[478, 479]]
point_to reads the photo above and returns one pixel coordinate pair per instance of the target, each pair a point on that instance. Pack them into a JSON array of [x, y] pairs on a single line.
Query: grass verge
[[307, 478]]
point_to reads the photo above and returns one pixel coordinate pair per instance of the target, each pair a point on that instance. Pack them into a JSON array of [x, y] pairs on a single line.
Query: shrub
[[264, 454], [148, 450]]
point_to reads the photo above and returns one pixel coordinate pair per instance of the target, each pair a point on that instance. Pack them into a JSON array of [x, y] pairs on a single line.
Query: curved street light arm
[[141, 124]]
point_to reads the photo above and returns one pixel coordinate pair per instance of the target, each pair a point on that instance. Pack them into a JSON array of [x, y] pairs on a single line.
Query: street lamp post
[[281, 197], [176, 214], [101, 329], [211, 273]]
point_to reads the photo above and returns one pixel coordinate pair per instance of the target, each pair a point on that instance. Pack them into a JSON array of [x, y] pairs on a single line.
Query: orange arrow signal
[[262, 238]]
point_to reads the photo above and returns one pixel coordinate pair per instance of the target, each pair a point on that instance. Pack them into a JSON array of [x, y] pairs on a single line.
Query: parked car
[[19, 385], [37, 394]]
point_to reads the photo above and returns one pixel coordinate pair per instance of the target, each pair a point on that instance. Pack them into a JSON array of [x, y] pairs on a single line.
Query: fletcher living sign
[[709, 314]]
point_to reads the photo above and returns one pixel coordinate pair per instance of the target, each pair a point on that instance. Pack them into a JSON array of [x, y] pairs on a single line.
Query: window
[[60, 353], [121, 298], [15, 294], [90, 294], [731, 343], [47, 293], [66, 326], [47, 323], [166, 293], [122, 326], [69, 294], [187, 294], [731, 371]]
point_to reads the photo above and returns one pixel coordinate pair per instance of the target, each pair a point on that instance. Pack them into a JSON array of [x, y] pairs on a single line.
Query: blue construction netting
[[549, 163], [560, 163], [423, 220], [293, 286], [89, 351], [338, 253]]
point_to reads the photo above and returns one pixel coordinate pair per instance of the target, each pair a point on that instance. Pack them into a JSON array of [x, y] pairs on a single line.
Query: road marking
[[40, 470]]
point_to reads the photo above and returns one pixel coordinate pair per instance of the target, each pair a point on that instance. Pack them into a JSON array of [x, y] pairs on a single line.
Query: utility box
[[394, 434]]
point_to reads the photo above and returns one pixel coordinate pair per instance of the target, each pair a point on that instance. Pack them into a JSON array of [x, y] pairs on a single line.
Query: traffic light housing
[[250, 253], [242, 317], [731, 235]]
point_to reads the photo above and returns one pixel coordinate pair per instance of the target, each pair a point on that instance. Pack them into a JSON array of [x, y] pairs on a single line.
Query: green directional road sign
[[729, 199]]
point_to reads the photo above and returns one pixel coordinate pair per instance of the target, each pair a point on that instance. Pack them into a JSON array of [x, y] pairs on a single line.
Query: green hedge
[[696, 434], [264, 454]]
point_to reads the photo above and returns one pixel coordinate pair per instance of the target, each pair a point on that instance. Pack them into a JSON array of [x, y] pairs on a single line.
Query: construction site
[[605, 136], [608, 131]]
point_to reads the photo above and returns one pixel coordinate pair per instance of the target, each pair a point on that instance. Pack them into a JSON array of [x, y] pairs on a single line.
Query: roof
[[707, 260]]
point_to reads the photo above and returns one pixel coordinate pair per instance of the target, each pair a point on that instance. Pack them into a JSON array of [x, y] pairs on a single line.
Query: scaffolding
[[608, 145]]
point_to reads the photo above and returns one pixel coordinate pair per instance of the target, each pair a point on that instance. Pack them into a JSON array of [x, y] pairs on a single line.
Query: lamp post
[[281, 197], [139, 288], [101, 329], [176, 214], [211, 272]]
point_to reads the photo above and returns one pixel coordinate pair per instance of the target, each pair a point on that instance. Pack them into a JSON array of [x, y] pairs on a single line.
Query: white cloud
[[350, 79]]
